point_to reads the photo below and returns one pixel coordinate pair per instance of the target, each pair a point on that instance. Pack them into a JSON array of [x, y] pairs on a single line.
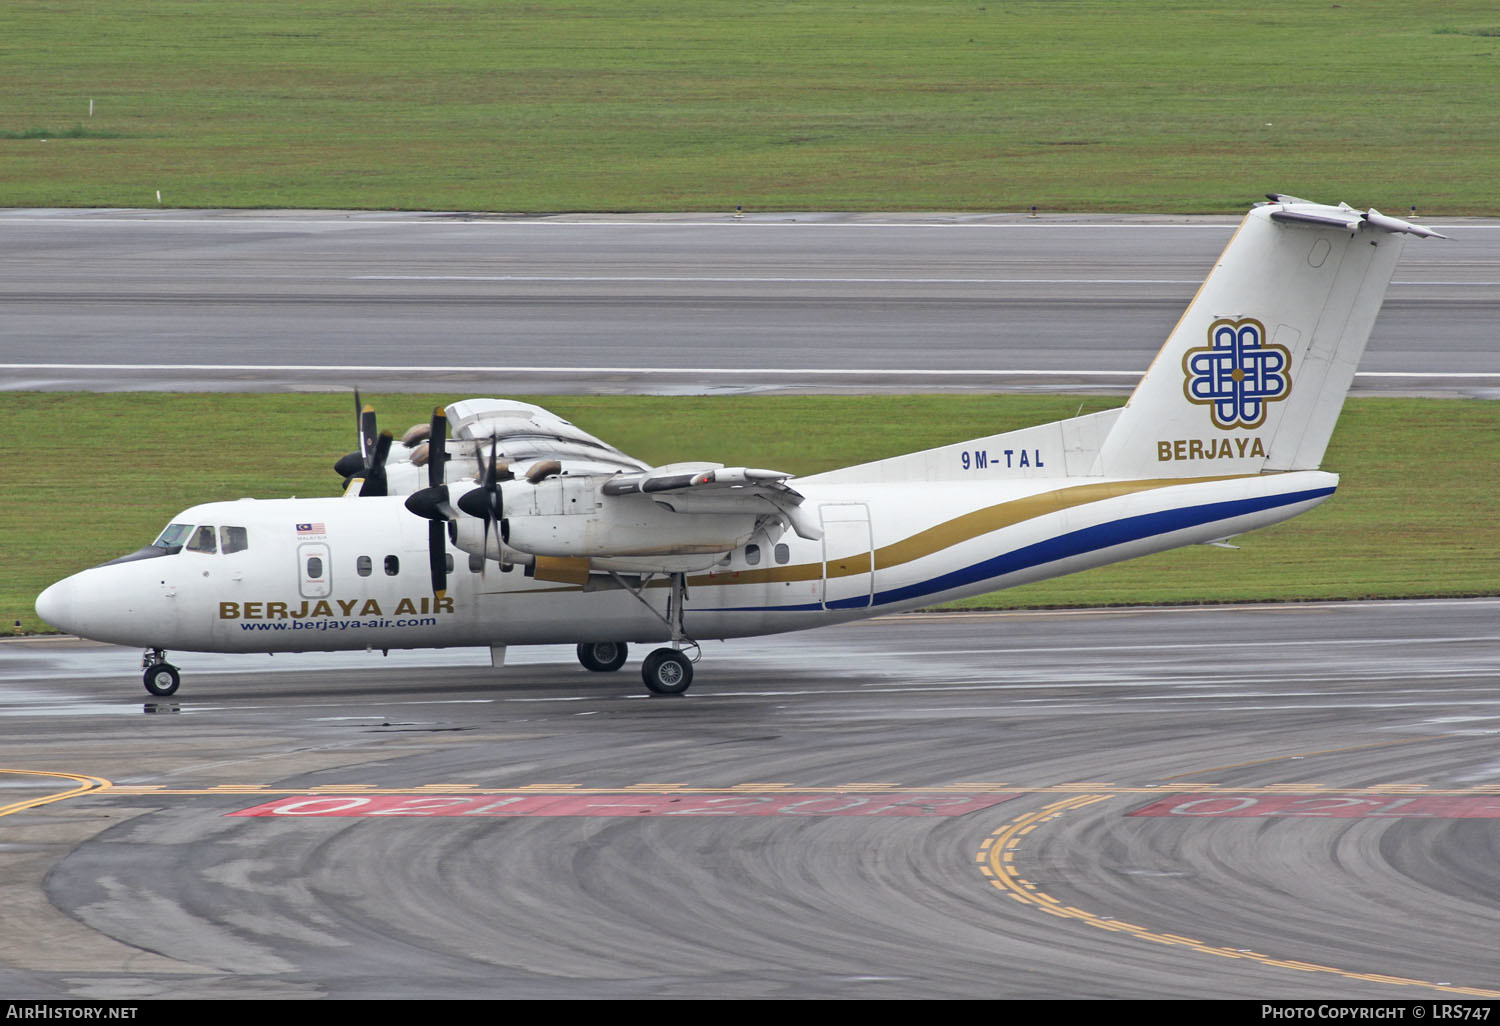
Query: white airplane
[[522, 529]]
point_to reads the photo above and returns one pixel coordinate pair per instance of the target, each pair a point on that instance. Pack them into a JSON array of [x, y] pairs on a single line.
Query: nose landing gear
[[159, 676]]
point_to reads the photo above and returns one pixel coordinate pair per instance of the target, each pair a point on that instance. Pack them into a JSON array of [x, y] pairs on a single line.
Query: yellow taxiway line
[[84, 785], [997, 859]]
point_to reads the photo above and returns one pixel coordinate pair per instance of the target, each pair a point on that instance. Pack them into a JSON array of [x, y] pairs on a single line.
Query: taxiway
[[1288, 801]]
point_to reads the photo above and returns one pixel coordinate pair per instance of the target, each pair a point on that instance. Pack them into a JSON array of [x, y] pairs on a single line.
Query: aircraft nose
[[55, 605]]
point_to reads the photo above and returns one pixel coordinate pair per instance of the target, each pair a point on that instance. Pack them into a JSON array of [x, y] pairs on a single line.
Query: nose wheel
[[159, 676]]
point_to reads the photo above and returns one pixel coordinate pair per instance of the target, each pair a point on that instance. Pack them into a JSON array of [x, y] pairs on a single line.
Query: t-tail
[[1223, 435], [1254, 375]]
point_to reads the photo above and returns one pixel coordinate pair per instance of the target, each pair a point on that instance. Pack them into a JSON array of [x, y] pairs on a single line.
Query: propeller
[[369, 462], [435, 502], [375, 482], [485, 502], [432, 502]]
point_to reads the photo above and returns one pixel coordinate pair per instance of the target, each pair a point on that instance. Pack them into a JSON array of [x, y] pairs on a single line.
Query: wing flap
[[711, 476]]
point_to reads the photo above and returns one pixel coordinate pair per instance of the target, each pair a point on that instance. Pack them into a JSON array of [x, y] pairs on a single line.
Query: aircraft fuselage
[[337, 573]]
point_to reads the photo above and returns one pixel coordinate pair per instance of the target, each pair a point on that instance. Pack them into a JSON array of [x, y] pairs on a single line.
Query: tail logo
[[1237, 374]]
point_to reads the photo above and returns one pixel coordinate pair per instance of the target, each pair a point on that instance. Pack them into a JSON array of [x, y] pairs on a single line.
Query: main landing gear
[[159, 676], [667, 671], [602, 656]]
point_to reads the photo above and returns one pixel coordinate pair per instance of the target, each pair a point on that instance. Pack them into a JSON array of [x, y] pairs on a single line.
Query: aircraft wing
[[527, 434], [519, 484], [710, 488], [538, 444]]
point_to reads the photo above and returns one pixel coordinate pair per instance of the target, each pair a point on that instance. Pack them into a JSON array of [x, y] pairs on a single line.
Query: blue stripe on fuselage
[[1063, 546]]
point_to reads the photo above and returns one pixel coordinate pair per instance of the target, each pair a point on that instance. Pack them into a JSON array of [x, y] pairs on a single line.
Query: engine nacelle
[[471, 539], [572, 518], [602, 535]]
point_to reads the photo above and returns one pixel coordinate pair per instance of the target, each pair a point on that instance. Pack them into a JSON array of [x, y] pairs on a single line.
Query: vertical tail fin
[[1255, 373]]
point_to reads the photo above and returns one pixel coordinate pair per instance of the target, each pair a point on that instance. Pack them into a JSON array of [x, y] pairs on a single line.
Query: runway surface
[[1277, 801], [106, 300], [1292, 801]]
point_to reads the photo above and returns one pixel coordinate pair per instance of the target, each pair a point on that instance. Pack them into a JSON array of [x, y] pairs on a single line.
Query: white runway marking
[[743, 279], [780, 372], [789, 280], [1016, 220]]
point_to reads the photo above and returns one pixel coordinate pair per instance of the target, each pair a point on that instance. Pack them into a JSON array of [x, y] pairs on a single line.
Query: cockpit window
[[233, 539], [202, 540], [173, 536]]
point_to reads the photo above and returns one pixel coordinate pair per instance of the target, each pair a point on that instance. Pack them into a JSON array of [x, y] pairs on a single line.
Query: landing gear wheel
[[602, 656], [161, 680], [667, 672]]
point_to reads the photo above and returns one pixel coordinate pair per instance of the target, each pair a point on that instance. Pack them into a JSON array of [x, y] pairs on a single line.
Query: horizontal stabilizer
[[1346, 217]]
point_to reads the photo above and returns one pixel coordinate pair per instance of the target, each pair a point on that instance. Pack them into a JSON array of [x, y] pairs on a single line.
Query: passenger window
[[314, 568], [392, 566], [233, 539], [448, 562], [202, 541], [363, 566], [476, 563], [783, 553], [752, 555]]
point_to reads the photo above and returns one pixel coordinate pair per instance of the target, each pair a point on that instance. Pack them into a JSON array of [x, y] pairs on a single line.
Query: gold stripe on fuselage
[[955, 531]]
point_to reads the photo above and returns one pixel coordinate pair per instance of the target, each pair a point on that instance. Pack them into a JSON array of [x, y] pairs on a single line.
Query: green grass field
[[91, 477], [874, 105]]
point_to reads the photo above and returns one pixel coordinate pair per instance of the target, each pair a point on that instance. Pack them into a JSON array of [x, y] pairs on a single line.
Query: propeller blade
[[490, 489], [368, 431], [359, 426], [353, 464], [492, 495], [437, 447], [431, 502], [437, 556]]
